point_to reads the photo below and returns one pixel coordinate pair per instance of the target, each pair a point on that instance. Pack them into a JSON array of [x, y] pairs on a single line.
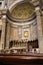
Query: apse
[[24, 24]]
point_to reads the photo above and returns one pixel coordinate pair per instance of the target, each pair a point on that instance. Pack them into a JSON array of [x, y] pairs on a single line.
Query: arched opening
[[23, 27]]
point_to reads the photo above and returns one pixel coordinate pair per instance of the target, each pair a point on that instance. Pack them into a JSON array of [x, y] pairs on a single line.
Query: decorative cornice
[[14, 24]]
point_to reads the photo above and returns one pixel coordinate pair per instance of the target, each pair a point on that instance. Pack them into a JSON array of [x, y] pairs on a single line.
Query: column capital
[[4, 11], [37, 8], [4, 17]]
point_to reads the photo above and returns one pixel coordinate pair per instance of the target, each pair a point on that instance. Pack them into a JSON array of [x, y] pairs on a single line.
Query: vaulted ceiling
[[23, 10]]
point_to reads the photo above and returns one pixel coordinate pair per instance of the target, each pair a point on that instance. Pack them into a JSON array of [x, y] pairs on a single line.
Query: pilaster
[[8, 35], [39, 29], [3, 31]]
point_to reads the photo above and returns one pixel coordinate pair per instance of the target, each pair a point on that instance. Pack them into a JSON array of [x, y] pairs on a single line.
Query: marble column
[[39, 29], [8, 36], [3, 31]]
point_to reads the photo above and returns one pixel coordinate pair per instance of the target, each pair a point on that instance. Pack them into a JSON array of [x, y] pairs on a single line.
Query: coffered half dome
[[22, 11]]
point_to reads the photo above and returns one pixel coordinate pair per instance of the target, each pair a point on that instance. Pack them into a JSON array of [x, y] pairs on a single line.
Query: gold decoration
[[26, 33]]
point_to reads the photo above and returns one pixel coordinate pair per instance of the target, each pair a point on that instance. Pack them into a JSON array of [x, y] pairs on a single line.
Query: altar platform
[[21, 59]]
